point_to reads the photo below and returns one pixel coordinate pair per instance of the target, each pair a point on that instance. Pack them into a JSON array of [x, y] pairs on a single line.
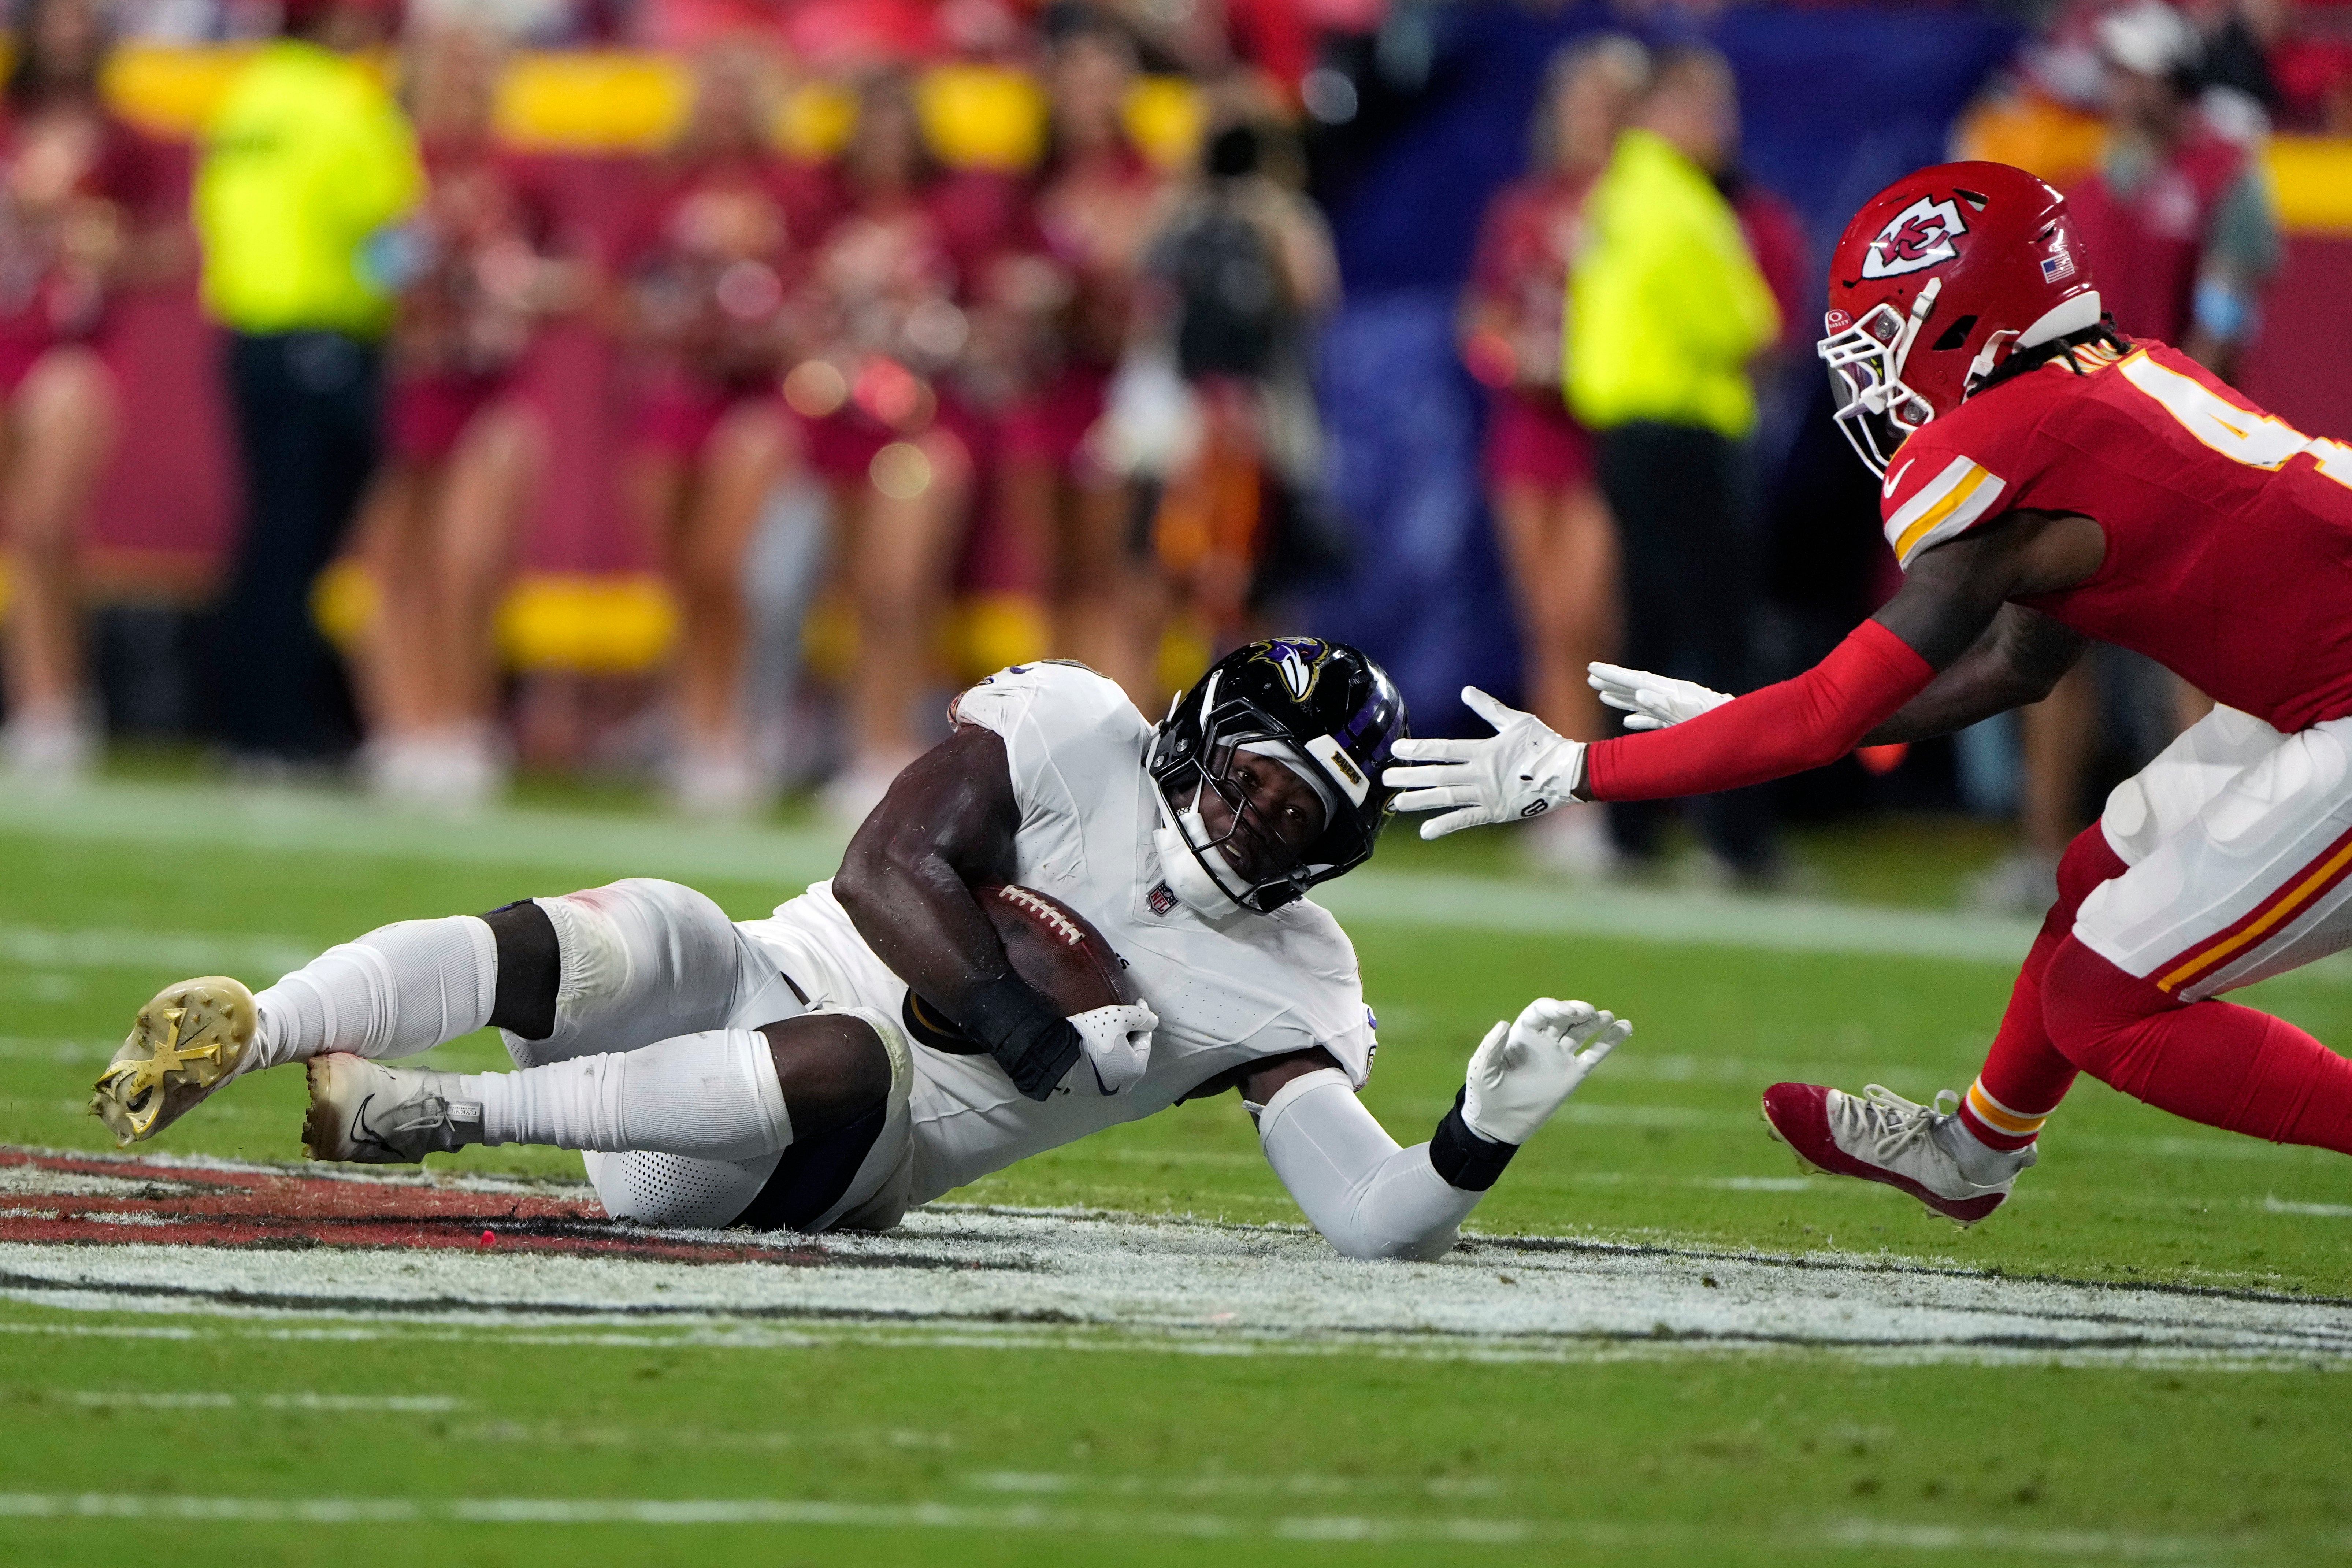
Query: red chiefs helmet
[[1939, 279]]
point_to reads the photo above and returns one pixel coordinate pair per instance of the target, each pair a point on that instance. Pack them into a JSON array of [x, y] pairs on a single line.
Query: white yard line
[[330, 822], [568, 849], [1222, 1344], [337, 822], [333, 1404], [1337, 1529], [1682, 916], [184, 953], [1015, 1518], [987, 1277], [28, 1048]]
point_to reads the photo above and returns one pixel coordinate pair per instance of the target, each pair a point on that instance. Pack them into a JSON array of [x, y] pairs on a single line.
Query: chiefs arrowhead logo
[[1920, 235]]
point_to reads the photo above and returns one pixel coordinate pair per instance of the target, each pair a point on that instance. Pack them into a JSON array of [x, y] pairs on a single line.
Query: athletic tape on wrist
[[1465, 1160], [1026, 1034], [998, 1010]]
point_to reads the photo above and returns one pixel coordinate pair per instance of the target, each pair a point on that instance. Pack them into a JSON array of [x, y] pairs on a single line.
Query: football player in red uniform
[[2045, 482]]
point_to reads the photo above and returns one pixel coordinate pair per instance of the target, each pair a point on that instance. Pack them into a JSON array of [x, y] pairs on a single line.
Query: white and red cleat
[[1880, 1136]]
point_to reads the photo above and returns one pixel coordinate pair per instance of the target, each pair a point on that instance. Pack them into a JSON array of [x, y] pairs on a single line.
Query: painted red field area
[[52, 1197]]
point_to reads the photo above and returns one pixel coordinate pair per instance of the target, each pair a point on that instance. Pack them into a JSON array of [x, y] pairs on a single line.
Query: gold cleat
[[184, 1044]]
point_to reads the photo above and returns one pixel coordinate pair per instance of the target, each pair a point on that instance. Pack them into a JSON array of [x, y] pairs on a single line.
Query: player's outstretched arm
[[1950, 595], [1373, 1199], [1649, 700], [947, 826], [2017, 661]]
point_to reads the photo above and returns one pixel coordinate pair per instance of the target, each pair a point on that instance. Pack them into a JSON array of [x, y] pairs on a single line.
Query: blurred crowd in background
[[704, 388]]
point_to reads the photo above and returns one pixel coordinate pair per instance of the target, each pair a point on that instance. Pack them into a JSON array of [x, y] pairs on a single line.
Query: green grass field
[[882, 1446]]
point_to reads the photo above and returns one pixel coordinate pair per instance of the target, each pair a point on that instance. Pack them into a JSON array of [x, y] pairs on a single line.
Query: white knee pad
[[641, 960], [676, 1192]]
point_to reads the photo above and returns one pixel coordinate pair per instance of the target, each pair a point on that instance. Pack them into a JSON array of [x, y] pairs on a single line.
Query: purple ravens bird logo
[[1299, 662]]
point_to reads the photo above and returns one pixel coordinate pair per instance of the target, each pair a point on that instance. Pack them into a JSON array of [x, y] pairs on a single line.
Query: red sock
[[2025, 1076], [2213, 1062]]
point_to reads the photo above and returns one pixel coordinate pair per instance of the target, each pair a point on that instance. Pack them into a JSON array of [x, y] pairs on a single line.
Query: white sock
[[713, 1096], [398, 990], [1979, 1160]]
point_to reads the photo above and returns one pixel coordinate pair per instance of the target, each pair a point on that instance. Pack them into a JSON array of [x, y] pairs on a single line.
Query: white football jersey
[[1226, 992]]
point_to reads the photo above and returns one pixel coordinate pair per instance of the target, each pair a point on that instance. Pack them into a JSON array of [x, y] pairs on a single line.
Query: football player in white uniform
[[868, 1046]]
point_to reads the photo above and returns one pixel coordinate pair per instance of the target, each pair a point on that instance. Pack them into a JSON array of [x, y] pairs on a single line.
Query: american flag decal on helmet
[[2059, 263]]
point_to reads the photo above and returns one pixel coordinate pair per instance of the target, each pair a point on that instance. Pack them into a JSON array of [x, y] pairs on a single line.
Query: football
[[1051, 946]]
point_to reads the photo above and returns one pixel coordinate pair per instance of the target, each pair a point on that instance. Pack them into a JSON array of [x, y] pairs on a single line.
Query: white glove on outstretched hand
[[1522, 770], [1117, 1047], [1651, 702], [1525, 1070]]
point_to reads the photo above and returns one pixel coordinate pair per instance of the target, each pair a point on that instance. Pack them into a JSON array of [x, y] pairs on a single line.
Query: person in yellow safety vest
[[302, 172], [1666, 308]]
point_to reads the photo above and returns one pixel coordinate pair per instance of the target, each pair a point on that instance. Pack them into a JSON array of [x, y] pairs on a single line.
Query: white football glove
[[1651, 702], [1523, 1071], [1118, 1051], [1522, 770]]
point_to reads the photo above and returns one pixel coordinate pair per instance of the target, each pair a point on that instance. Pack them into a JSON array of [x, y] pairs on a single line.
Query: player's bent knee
[[2093, 1011], [2089, 861], [836, 1066], [530, 970], [638, 961]]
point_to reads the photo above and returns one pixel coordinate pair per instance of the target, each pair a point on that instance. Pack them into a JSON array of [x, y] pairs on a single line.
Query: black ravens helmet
[[1323, 709]]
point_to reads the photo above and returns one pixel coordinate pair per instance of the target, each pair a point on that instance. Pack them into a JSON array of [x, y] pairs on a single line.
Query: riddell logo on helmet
[[1918, 237]]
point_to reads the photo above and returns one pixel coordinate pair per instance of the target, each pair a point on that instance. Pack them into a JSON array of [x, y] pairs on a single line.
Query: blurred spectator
[[83, 214], [1559, 546], [2314, 76], [921, 290], [2175, 219], [168, 21], [722, 245], [304, 165], [1666, 309], [906, 289], [480, 268], [537, 23], [1213, 408], [2239, 36], [1098, 203], [2180, 231]]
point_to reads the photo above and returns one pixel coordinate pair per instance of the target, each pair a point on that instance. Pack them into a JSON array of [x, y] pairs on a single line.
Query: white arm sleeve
[[1369, 1198]]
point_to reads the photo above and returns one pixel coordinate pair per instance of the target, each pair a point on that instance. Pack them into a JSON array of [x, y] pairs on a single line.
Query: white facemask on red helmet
[[1939, 279]]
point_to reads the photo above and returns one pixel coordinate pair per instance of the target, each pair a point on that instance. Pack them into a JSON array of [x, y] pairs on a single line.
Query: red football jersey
[[2228, 532]]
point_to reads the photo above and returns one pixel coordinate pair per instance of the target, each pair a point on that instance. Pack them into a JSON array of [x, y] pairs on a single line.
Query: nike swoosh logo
[[1886, 490], [362, 1135]]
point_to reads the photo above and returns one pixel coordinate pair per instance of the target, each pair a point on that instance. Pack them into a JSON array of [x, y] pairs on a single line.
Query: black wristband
[[1465, 1160], [1023, 1031]]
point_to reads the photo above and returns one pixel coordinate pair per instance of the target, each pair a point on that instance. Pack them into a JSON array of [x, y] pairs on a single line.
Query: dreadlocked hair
[[2108, 345]]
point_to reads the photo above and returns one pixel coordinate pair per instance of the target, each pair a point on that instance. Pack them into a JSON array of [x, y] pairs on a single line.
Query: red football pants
[[2212, 1061], [2024, 1069]]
